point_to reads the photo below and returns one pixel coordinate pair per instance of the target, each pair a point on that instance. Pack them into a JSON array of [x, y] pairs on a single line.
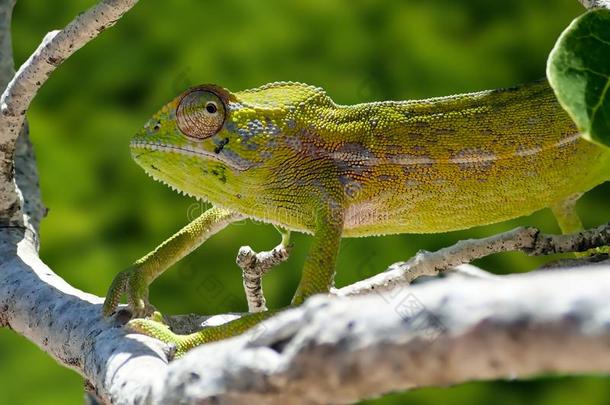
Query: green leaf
[[578, 69]]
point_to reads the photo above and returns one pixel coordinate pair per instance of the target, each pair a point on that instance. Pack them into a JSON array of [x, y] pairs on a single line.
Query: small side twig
[[254, 266], [528, 240]]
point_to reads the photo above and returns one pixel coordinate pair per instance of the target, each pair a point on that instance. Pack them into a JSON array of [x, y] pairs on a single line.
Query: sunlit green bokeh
[[105, 212]]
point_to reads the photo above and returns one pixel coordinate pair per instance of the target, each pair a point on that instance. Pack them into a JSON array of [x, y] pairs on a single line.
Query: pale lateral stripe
[[185, 150]]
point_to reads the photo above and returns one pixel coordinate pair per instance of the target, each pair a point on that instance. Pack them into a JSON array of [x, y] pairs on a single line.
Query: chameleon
[[287, 154]]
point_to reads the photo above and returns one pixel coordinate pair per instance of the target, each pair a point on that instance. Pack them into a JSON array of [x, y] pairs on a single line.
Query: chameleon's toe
[[602, 250], [157, 317], [132, 283], [160, 331]]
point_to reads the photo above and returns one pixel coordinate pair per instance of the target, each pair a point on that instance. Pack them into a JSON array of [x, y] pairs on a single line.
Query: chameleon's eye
[[200, 114]]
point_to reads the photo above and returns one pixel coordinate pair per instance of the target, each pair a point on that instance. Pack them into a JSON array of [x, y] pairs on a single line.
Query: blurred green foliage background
[[105, 212]]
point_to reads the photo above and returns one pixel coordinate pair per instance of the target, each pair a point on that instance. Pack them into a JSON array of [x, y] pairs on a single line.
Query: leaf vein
[[600, 102]]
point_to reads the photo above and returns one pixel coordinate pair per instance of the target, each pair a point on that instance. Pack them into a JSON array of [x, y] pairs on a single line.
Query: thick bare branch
[[330, 350], [68, 325], [444, 332]]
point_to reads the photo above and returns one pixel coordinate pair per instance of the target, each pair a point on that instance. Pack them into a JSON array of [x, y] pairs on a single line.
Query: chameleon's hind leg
[[319, 268], [569, 221]]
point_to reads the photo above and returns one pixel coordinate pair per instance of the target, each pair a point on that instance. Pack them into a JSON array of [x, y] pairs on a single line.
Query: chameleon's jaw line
[[238, 165]]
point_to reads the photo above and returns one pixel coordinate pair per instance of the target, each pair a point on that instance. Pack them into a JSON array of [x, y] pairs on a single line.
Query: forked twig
[[254, 266]]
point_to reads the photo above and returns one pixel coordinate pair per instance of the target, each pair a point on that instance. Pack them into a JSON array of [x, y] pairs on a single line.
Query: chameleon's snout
[[154, 135], [160, 130], [143, 136]]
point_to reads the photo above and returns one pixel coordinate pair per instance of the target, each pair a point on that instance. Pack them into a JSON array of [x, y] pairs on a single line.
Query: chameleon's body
[[286, 154]]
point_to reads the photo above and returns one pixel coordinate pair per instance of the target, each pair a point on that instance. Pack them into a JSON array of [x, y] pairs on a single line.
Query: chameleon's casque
[[274, 153]]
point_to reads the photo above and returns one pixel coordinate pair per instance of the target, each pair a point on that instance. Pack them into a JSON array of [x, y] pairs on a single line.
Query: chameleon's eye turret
[[200, 113]]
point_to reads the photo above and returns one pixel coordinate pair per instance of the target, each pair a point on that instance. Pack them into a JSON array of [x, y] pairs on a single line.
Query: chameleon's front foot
[[131, 282]]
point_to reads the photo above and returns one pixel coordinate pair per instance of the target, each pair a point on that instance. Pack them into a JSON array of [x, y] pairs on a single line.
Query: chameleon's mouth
[[230, 159]]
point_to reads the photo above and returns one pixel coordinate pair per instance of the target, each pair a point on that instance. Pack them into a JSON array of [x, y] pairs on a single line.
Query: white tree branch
[[528, 240], [26, 171], [329, 350], [6, 48], [445, 332], [67, 324]]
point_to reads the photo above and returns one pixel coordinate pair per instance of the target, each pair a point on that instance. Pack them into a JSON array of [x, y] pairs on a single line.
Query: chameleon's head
[[188, 143], [205, 140]]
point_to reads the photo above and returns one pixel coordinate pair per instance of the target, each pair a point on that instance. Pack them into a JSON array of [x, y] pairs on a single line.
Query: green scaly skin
[[286, 154]]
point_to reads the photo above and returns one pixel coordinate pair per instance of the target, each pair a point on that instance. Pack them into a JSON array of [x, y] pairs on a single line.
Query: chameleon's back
[[455, 162]]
